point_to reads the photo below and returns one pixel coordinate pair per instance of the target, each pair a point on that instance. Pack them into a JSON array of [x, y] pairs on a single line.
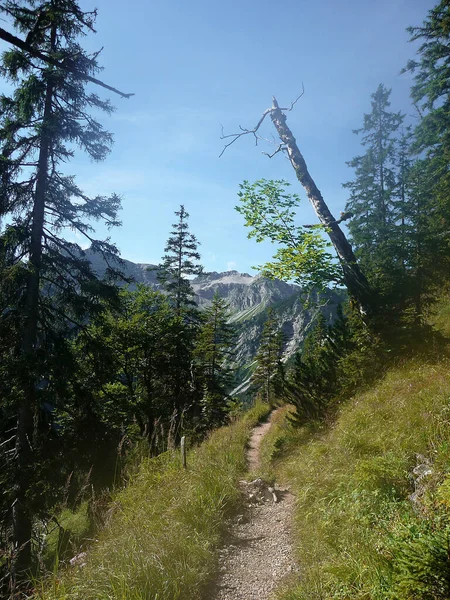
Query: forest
[[99, 373]]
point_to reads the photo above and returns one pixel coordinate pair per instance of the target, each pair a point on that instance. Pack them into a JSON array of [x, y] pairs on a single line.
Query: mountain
[[246, 295], [248, 298]]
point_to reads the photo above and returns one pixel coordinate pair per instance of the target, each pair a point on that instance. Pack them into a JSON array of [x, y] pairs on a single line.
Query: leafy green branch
[[303, 256]]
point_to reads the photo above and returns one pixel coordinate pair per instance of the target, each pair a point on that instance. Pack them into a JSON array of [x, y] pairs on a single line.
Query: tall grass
[[165, 525], [358, 535]]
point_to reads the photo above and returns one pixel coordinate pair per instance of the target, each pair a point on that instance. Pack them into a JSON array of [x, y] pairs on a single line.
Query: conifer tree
[[268, 359], [179, 262], [214, 351], [131, 350], [48, 288], [373, 193], [312, 380], [431, 95]]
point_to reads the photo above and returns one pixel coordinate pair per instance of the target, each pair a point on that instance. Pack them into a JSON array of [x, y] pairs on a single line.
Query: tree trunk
[[355, 280], [22, 518]]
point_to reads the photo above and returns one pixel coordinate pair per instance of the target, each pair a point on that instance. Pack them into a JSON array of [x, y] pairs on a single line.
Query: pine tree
[[431, 95], [373, 193], [48, 288], [214, 351], [268, 359], [179, 262], [378, 200]]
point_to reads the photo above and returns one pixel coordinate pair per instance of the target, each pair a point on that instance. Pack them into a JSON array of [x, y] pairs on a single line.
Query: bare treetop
[[243, 131]]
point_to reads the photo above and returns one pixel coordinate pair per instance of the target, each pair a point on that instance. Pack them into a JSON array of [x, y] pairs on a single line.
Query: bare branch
[[295, 101], [344, 216], [244, 131], [280, 148], [7, 441], [419, 111]]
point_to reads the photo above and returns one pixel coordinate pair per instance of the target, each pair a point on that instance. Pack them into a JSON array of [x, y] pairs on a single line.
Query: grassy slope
[[165, 525], [358, 534]]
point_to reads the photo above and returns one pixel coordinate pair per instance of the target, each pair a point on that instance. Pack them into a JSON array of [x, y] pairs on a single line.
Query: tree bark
[[354, 278], [22, 518]]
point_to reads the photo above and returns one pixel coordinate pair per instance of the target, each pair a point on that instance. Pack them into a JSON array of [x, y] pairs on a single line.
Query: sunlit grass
[[354, 522], [165, 526]]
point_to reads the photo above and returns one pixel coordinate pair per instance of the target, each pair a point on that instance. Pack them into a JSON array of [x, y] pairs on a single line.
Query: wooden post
[[183, 451]]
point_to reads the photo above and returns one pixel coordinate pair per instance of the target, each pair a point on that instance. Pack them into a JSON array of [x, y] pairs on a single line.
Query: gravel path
[[258, 553]]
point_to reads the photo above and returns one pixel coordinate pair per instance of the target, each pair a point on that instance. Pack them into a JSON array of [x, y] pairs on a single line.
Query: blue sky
[[197, 65]]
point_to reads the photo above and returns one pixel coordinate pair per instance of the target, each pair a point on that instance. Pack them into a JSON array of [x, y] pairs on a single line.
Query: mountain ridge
[[249, 297]]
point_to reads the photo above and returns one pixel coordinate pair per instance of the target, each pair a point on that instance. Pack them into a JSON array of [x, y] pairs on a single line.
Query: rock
[[78, 560], [256, 483], [422, 471]]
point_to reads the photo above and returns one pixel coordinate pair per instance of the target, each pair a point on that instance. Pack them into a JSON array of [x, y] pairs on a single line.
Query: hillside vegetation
[[373, 500], [92, 372], [165, 525], [373, 488]]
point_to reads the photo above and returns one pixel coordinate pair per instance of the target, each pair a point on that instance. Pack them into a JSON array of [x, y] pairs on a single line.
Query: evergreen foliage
[[48, 288], [374, 227], [179, 262], [431, 94], [431, 144], [268, 371], [88, 370], [214, 353], [312, 381], [130, 373]]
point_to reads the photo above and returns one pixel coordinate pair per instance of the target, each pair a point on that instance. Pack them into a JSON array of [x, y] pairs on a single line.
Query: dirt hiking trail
[[257, 554]]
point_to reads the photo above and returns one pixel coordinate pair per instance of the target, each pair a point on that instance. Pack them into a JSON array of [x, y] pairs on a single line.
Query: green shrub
[[422, 563]]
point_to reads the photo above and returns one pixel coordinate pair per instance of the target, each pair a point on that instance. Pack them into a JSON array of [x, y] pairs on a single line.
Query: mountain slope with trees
[[99, 372]]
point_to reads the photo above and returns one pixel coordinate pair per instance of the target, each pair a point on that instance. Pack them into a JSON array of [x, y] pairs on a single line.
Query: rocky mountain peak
[[248, 297]]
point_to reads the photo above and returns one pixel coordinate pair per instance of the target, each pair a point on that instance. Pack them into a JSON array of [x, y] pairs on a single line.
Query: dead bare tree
[[355, 280]]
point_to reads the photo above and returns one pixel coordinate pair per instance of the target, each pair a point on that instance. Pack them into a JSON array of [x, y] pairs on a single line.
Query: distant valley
[[248, 298]]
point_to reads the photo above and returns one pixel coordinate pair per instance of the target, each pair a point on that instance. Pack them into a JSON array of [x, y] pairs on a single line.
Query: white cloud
[[231, 265]]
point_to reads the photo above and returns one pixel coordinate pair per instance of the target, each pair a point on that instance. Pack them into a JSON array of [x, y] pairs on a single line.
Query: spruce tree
[[431, 142], [179, 262], [48, 287], [372, 192], [214, 351], [268, 359]]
